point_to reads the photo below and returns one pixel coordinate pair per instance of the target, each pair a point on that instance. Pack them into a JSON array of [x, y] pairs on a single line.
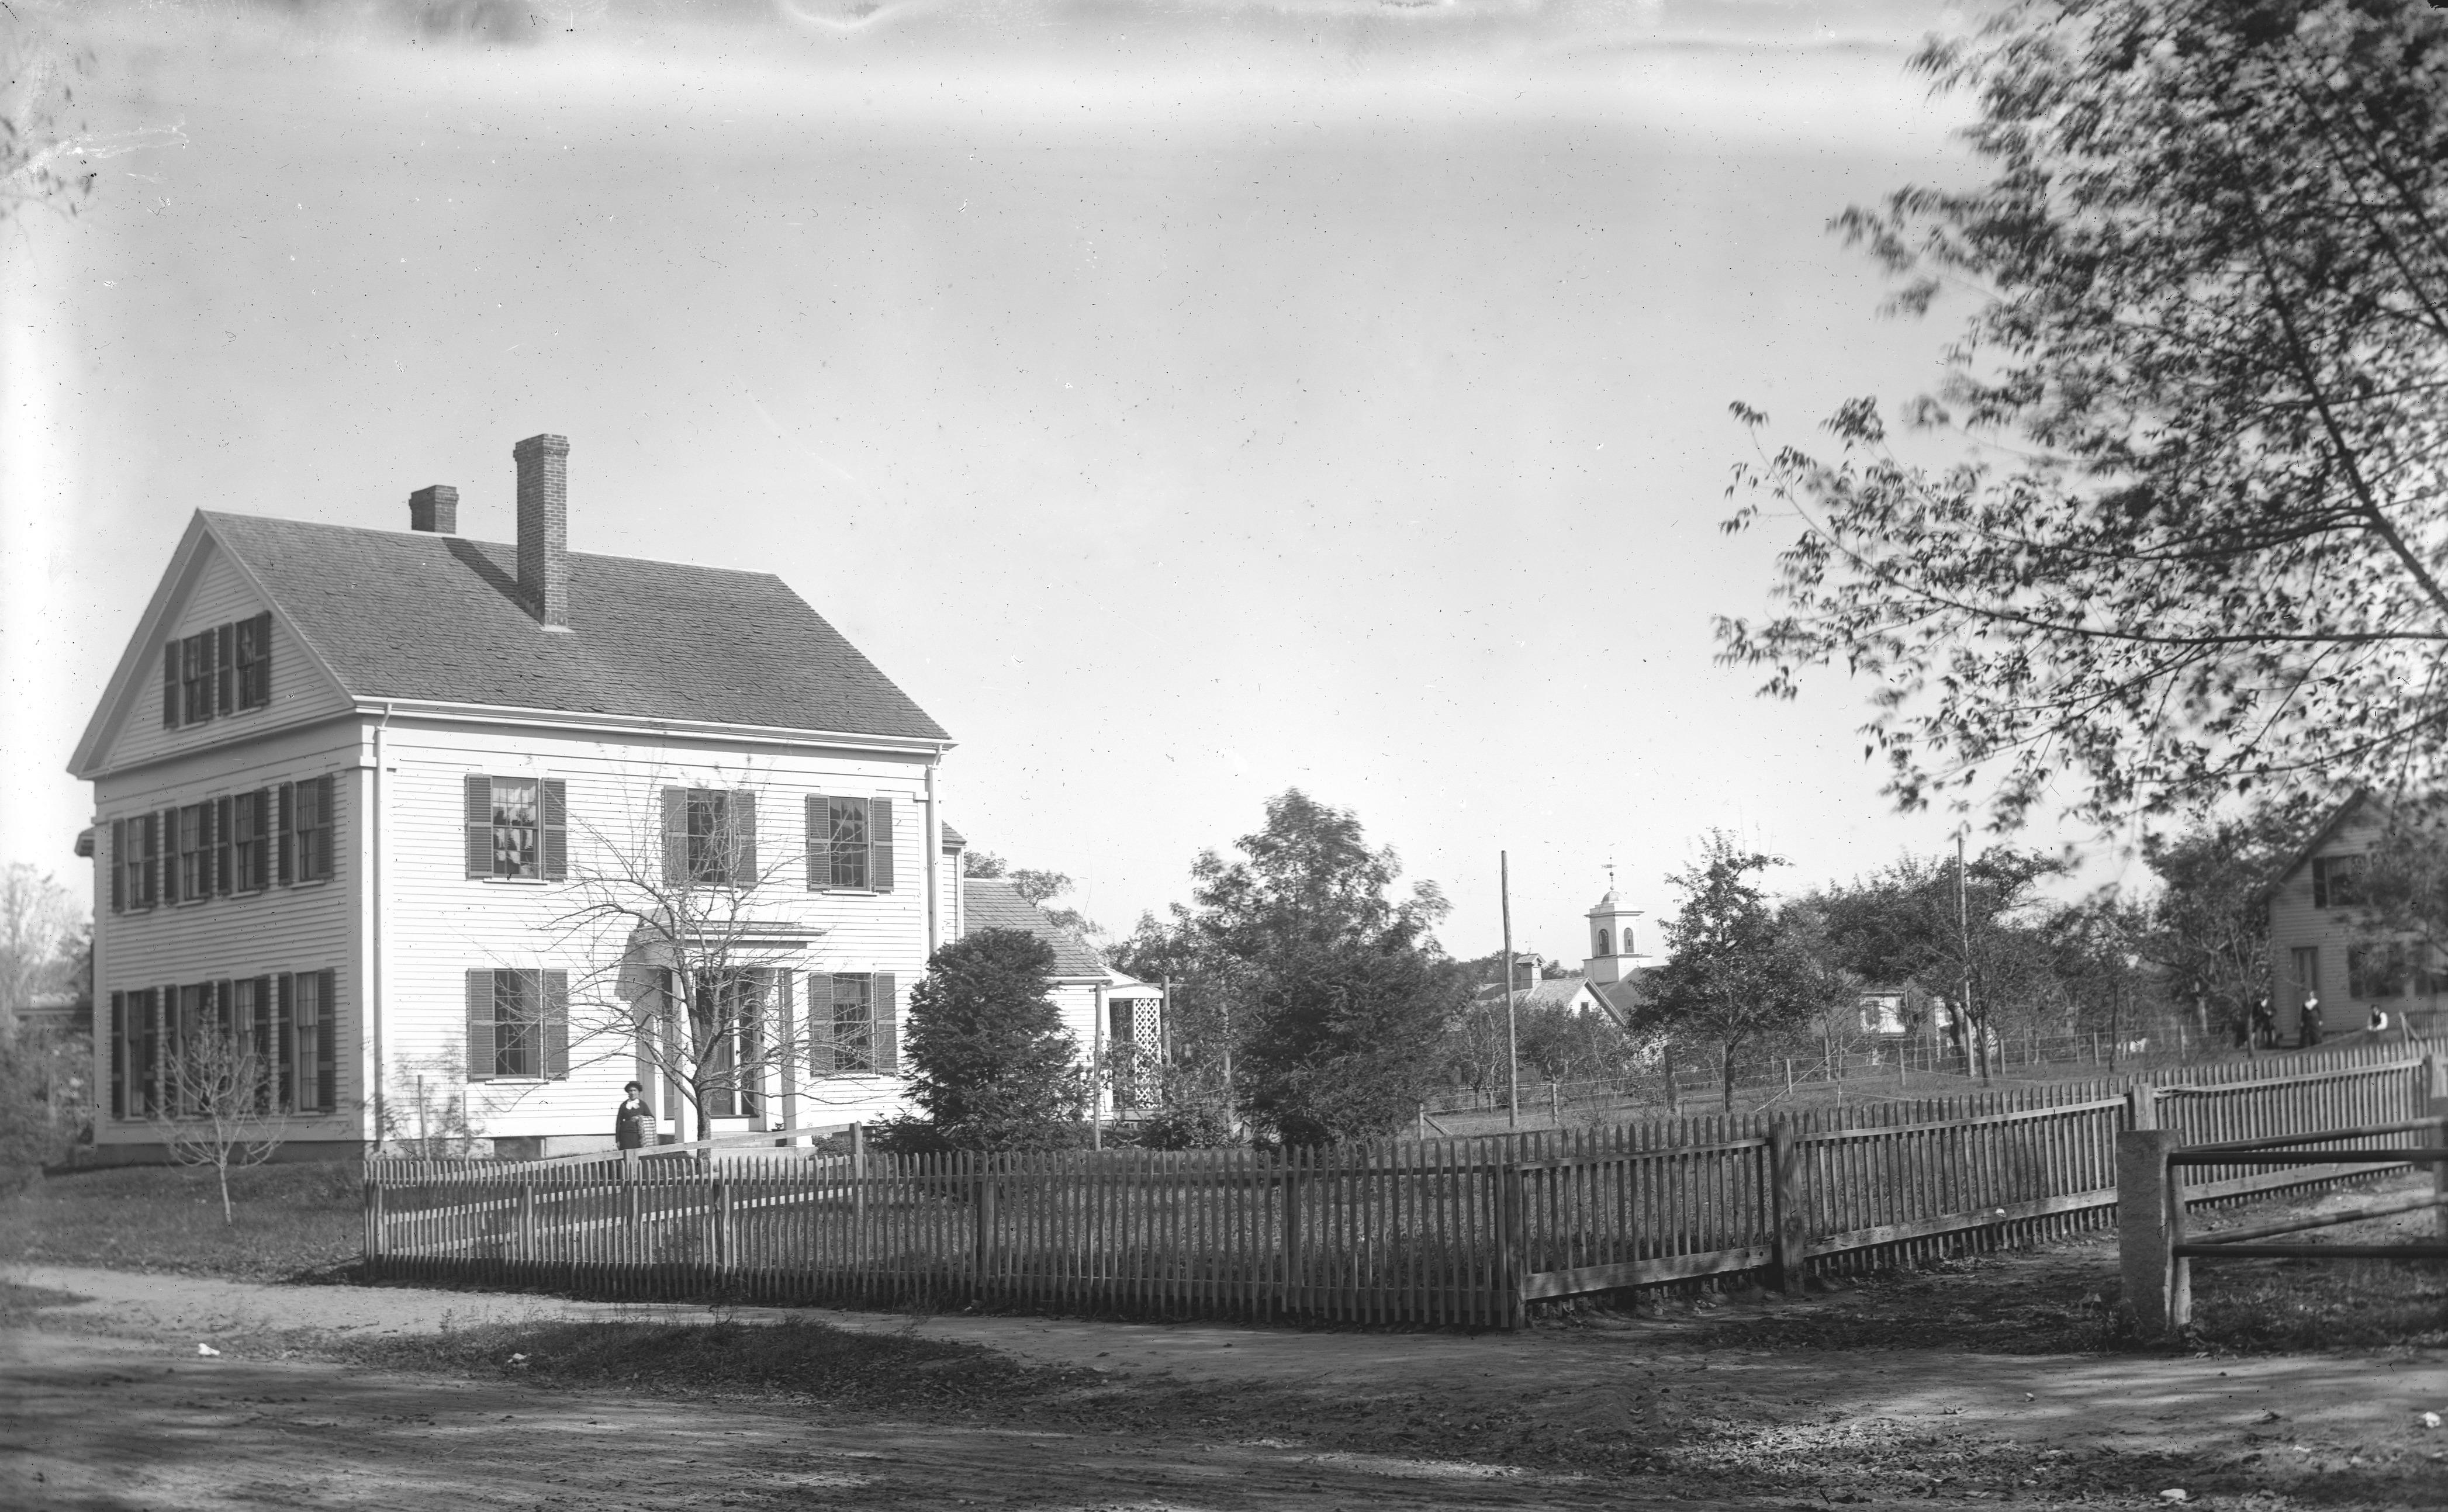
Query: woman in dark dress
[[629, 1124]]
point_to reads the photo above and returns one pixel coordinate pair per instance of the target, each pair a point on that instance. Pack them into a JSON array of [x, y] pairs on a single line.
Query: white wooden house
[[2324, 948], [352, 788]]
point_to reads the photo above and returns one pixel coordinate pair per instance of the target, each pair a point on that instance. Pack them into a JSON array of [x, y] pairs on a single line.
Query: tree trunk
[[229, 1218], [1726, 1068]]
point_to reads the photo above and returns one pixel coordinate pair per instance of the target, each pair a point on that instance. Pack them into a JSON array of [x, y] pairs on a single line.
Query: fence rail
[[1442, 1231]]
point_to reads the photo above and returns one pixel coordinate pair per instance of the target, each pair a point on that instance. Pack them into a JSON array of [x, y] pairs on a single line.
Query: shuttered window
[[312, 1071], [710, 836], [217, 671], [194, 865], [849, 843], [253, 656], [517, 828], [310, 824], [2338, 882], [853, 1023], [250, 840], [518, 1024], [196, 677]]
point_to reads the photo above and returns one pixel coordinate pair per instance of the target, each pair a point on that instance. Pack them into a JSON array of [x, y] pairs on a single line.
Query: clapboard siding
[[216, 592], [441, 923], [304, 928], [2295, 923]]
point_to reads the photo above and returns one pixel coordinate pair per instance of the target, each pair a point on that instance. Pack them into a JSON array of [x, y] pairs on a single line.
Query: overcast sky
[[1183, 403]]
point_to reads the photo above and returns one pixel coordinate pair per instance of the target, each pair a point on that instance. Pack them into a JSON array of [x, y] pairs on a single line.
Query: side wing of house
[[226, 768]]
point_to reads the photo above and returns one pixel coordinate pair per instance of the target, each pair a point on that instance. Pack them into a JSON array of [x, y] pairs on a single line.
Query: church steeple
[[1612, 957]]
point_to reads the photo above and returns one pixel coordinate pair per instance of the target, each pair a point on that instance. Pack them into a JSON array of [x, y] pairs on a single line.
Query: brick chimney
[[435, 509], [544, 529]]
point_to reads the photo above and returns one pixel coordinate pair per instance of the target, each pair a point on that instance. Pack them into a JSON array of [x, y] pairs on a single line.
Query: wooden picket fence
[[1453, 1232]]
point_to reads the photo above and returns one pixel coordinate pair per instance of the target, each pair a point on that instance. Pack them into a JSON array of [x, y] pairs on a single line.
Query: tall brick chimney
[[435, 509], [544, 529]]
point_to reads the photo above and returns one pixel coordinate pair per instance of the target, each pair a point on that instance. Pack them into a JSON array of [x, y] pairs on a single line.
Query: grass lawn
[[293, 1221]]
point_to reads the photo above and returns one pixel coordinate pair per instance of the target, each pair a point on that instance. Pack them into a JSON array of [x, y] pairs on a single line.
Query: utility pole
[[1512, 1031], [1963, 923]]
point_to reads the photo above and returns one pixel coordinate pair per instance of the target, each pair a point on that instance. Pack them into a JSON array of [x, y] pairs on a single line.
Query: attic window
[[2338, 882], [217, 671]]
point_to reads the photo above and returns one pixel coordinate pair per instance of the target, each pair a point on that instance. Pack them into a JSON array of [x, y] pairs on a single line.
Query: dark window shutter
[[118, 869], [224, 842], [481, 1047], [556, 1025], [263, 876], [675, 866], [478, 814], [224, 643], [169, 856], [326, 826], [265, 1051], [820, 1024], [152, 868], [820, 843], [119, 1055], [881, 993], [171, 686], [743, 839], [327, 1044], [287, 847], [879, 844], [285, 1039], [778, 992], [556, 830]]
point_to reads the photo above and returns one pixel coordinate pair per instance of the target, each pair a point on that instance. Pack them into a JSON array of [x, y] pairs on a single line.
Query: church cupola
[[1611, 956]]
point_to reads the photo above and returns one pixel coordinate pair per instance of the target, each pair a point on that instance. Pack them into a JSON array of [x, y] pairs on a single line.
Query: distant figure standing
[[2312, 1019], [2378, 1023], [2264, 1025], [629, 1124]]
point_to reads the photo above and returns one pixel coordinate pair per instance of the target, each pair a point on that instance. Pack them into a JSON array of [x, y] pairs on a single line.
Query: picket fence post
[[1787, 1214], [2150, 1225]]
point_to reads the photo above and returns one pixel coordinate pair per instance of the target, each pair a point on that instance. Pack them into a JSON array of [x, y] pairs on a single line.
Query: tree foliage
[[2207, 931], [1733, 976], [2212, 265], [1335, 992], [990, 1065], [42, 937], [220, 1105]]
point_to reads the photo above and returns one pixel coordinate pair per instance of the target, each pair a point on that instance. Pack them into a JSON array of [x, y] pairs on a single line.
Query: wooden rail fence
[[1450, 1232]]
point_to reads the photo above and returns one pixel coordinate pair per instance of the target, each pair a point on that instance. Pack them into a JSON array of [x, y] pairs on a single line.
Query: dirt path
[[116, 1382]]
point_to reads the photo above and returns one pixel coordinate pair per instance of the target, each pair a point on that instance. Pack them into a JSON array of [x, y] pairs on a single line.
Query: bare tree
[[220, 1103], [689, 948]]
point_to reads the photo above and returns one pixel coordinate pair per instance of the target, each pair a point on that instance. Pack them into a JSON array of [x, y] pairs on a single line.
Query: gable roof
[[995, 903], [414, 615], [2327, 832]]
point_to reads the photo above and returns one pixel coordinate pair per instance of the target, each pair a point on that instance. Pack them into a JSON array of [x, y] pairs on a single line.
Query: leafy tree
[[2207, 931], [983, 864], [1906, 925], [1734, 977], [991, 1067], [1339, 991], [2210, 263]]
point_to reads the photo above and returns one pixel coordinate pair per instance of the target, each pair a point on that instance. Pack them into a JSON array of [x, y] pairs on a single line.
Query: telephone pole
[[1512, 1031]]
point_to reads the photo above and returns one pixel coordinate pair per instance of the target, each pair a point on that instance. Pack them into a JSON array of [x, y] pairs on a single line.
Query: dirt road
[[107, 1405]]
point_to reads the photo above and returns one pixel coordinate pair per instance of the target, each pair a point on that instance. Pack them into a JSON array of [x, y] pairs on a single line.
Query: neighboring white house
[[1117, 1019], [349, 785], [2322, 948]]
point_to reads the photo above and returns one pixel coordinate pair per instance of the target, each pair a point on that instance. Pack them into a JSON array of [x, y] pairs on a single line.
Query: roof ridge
[[438, 535]]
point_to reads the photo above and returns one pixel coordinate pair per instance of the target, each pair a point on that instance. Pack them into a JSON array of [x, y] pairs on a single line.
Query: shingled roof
[[994, 903], [418, 615]]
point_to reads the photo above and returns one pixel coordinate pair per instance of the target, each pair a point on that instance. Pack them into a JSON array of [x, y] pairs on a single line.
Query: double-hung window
[[853, 1023], [2338, 882], [135, 854], [195, 825], [518, 1024], [221, 670], [196, 677], [310, 829], [517, 828], [849, 843], [710, 836]]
